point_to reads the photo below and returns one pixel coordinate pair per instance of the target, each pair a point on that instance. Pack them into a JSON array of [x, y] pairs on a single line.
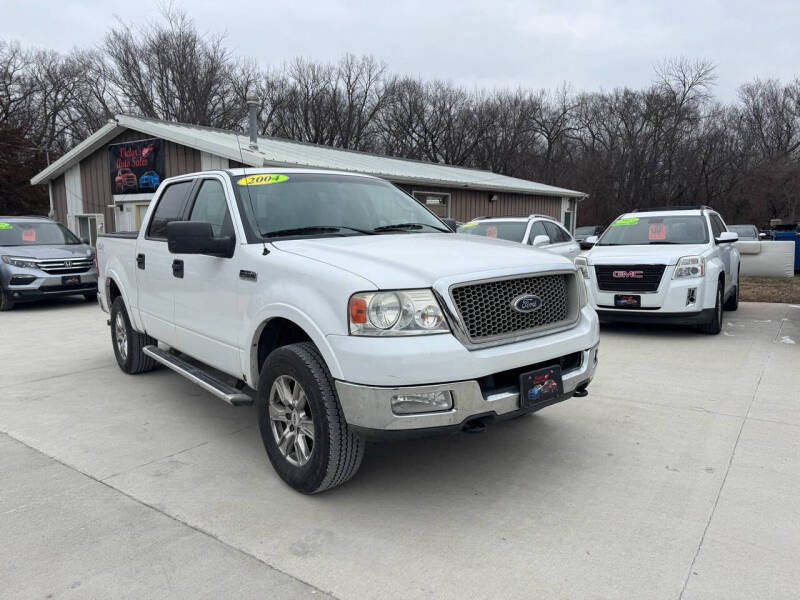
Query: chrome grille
[[486, 311], [65, 266]]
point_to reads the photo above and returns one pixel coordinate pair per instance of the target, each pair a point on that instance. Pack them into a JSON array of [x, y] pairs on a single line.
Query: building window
[[437, 202]]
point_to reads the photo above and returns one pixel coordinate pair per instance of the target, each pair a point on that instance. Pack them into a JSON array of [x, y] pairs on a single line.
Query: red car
[[125, 180]]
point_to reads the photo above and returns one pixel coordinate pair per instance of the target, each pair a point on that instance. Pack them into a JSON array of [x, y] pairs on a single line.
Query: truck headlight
[[392, 313], [689, 267], [24, 263], [583, 266]]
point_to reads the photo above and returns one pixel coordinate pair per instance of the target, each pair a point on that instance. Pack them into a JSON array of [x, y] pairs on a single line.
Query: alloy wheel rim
[[121, 335], [719, 307], [291, 421]]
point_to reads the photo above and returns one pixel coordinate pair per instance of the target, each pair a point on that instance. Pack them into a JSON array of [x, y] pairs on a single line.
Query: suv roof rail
[[25, 217], [538, 216], [661, 208], [479, 218]]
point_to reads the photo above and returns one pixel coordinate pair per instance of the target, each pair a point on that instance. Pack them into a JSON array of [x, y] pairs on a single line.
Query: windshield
[[35, 233], [513, 231], [310, 204], [642, 231], [748, 232]]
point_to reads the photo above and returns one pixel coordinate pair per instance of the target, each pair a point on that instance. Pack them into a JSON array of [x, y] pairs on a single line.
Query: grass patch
[[770, 289]]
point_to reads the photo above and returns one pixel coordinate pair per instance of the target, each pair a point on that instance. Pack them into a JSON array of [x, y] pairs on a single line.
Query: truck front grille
[[66, 266], [487, 313], [629, 278]]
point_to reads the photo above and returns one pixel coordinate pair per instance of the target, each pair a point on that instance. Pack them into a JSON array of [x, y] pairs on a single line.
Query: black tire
[[714, 324], [6, 303], [91, 297], [732, 303], [131, 360], [337, 452]]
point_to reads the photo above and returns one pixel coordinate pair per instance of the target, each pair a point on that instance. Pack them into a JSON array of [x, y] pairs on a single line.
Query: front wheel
[[91, 296], [302, 425], [6, 303], [714, 325], [732, 303]]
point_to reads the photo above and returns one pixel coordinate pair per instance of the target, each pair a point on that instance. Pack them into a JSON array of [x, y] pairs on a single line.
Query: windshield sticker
[[468, 225], [5, 226], [28, 235], [262, 179], [657, 232], [491, 231], [625, 221]]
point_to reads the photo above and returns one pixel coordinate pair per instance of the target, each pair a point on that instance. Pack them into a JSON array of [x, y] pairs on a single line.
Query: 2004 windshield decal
[[262, 179]]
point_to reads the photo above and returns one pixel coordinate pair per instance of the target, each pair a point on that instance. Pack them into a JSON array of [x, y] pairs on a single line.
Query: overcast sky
[[540, 43]]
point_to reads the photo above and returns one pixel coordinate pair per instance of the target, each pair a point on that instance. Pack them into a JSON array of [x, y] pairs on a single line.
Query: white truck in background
[[345, 309]]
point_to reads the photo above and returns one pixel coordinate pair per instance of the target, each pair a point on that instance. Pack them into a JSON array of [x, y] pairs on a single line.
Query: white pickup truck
[[668, 265], [345, 309]]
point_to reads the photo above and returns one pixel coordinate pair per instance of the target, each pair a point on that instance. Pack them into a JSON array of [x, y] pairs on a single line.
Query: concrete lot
[[677, 477]]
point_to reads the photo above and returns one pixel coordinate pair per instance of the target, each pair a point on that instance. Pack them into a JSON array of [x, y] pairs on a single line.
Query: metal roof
[[280, 152]]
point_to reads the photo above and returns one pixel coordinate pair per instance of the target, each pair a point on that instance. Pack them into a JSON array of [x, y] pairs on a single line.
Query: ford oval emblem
[[526, 303]]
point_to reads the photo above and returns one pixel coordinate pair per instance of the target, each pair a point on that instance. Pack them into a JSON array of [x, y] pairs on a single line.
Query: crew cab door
[[207, 317], [154, 278]]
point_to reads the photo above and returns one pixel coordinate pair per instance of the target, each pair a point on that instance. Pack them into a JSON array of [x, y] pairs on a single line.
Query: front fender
[[299, 318]]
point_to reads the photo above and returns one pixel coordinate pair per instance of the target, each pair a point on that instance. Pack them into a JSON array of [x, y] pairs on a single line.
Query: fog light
[[21, 279], [409, 404], [691, 296]]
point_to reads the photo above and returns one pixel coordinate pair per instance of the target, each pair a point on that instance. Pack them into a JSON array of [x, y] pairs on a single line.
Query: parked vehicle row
[[42, 259], [345, 309]]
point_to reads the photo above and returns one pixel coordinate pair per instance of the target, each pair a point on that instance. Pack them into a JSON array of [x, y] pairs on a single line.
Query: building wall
[[60, 199], [467, 204]]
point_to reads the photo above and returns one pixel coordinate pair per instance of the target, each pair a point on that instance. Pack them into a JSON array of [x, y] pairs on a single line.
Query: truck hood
[[642, 255], [421, 259], [65, 251]]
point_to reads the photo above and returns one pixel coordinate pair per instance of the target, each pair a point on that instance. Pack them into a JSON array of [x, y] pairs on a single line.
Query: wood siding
[[96, 174], [467, 204], [60, 199]]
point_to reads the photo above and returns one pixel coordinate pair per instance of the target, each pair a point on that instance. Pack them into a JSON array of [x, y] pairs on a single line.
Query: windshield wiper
[[313, 229], [401, 226]]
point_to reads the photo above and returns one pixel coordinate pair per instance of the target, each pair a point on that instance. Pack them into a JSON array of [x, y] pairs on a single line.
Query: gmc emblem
[[627, 274]]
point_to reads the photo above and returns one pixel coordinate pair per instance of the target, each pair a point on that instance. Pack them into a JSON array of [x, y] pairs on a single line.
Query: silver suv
[[40, 258], [539, 231]]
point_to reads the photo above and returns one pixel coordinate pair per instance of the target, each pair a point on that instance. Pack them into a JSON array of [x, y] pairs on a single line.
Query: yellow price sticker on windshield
[[468, 225], [625, 221], [5, 225], [262, 179]]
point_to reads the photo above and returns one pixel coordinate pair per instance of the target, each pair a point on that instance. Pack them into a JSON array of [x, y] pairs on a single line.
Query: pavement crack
[[724, 478]]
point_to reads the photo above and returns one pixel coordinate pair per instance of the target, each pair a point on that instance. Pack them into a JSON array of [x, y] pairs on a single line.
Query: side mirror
[[191, 237], [762, 235], [726, 237], [540, 240], [451, 223], [86, 241], [589, 242]]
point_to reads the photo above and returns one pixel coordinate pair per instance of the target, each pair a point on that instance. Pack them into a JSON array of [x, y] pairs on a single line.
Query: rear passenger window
[[170, 207], [210, 206]]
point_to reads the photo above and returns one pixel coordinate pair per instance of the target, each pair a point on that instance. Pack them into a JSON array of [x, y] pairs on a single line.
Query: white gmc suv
[[344, 309], [668, 265]]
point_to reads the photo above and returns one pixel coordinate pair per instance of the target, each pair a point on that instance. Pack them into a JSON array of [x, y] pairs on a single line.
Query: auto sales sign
[[136, 167]]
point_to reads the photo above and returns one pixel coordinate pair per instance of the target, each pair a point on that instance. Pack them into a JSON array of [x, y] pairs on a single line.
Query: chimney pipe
[[252, 105]]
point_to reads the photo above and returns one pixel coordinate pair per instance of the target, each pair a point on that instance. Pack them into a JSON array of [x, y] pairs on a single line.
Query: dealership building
[[106, 182]]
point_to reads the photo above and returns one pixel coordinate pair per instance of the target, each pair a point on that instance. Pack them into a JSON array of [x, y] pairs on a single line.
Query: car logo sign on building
[[526, 303]]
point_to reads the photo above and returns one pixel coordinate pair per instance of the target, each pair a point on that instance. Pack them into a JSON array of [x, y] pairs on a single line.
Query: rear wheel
[[714, 325], [128, 342], [302, 425], [6, 303]]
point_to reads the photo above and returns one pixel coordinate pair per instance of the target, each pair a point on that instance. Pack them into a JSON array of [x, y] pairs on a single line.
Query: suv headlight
[[394, 313], [689, 267], [583, 266], [24, 263]]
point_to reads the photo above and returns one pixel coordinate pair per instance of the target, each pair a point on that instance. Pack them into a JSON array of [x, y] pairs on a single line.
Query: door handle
[[140, 261], [177, 268]]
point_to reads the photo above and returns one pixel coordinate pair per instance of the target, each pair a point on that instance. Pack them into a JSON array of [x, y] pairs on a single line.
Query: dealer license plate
[[627, 301], [71, 280], [537, 387]]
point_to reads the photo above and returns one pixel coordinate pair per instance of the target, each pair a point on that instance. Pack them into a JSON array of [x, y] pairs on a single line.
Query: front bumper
[[655, 316], [368, 411], [47, 285]]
